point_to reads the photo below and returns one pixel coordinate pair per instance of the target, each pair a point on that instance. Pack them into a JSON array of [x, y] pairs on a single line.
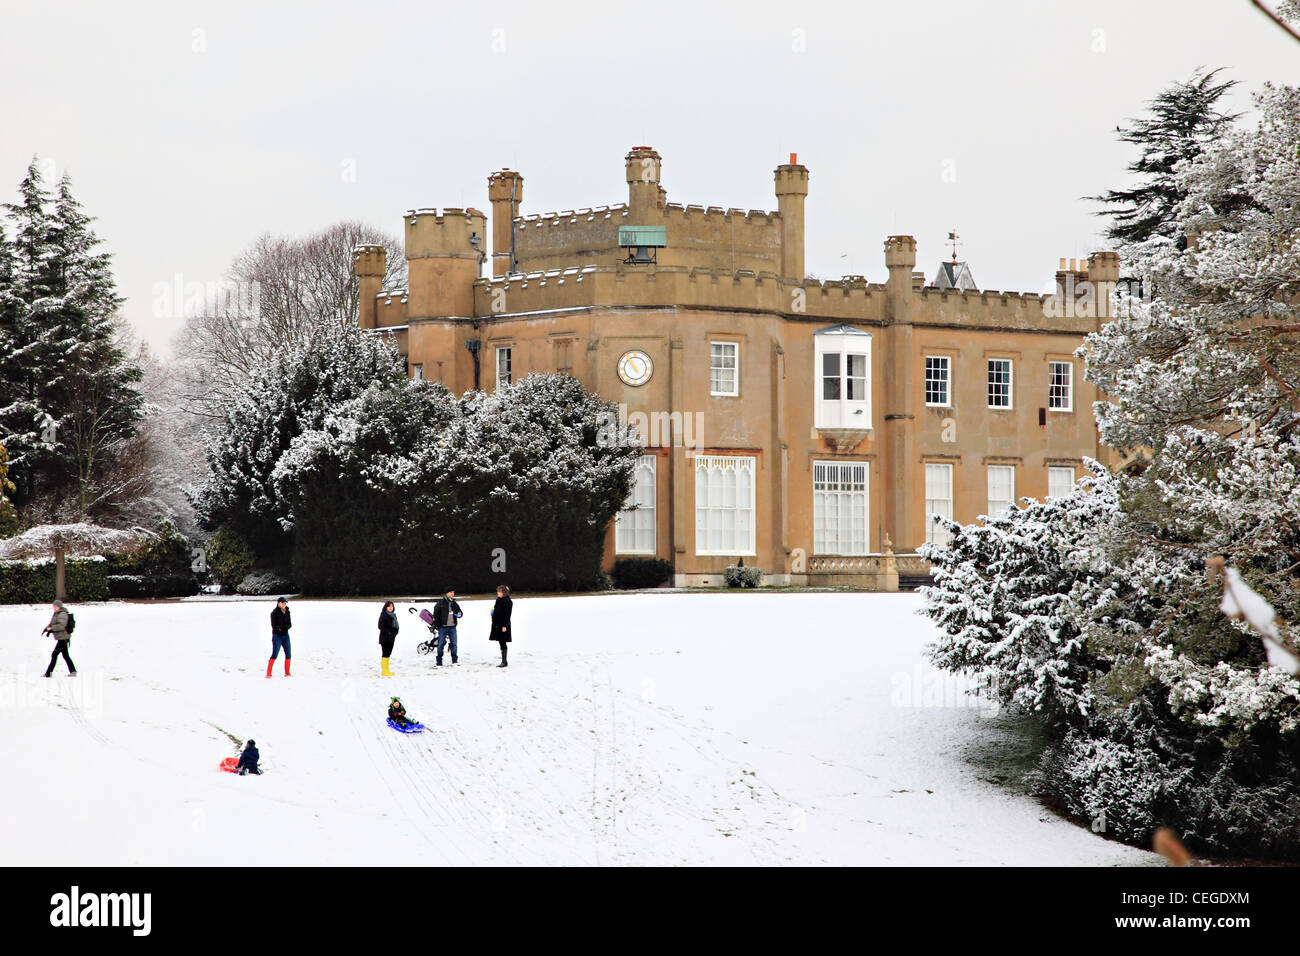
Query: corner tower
[[369, 265], [445, 253]]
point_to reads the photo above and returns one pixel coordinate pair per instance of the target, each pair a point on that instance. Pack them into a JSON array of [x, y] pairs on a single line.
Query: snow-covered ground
[[629, 729]]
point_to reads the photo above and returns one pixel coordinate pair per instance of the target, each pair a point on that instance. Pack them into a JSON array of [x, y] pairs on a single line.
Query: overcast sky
[[191, 128]]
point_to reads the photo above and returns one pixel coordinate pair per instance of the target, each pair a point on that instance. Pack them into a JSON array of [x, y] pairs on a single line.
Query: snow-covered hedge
[[263, 583], [32, 582]]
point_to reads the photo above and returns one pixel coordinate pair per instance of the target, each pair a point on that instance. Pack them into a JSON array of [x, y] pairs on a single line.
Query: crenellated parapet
[[454, 232]]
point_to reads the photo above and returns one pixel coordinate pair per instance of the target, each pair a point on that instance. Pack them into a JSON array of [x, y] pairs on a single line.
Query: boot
[[286, 667], [385, 672], [269, 665]]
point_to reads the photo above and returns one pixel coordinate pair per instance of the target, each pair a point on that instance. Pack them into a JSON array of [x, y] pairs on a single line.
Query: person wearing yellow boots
[[388, 628], [280, 624]]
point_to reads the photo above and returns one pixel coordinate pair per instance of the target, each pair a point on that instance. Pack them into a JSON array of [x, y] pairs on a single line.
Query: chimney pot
[[794, 159]]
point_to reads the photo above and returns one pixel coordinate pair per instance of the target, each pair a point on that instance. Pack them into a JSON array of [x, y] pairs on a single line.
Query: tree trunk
[[60, 591]]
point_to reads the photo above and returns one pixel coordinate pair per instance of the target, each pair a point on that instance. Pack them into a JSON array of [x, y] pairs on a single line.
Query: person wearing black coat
[[388, 628], [248, 759], [281, 621], [397, 713], [501, 621], [445, 615]]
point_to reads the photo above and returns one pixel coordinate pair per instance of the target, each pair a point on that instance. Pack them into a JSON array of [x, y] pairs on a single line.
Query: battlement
[[989, 308], [452, 233], [687, 213], [369, 260], [593, 286], [852, 299], [571, 217]]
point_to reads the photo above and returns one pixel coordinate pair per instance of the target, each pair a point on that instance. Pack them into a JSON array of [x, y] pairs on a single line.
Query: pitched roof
[[955, 275]]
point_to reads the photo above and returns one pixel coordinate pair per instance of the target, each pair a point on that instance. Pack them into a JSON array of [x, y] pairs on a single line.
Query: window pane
[[831, 376], [1060, 382], [1060, 481], [936, 379], [999, 383]]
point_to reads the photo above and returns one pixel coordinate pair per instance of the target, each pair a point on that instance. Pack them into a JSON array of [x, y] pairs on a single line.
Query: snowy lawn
[[634, 729]]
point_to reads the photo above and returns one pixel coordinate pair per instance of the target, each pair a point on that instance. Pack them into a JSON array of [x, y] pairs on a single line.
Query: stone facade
[[802, 425]]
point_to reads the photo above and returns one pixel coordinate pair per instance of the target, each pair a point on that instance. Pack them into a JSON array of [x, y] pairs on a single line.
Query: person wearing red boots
[[281, 621]]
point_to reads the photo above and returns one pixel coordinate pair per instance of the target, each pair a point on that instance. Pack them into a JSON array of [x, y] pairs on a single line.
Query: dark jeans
[[447, 635], [60, 647], [386, 645], [278, 641]]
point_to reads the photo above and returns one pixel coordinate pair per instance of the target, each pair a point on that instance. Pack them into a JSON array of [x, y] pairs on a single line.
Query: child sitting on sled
[[397, 713], [248, 759]]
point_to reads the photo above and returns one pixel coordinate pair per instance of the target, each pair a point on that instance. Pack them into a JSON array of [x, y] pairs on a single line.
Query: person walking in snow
[[388, 628], [281, 621], [445, 615], [501, 621], [58, 629], [248, 759]]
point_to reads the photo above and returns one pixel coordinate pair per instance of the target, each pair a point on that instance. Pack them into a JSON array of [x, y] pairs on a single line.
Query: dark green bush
[[640, 572], [229, 559], [23, 582], [162, 569]]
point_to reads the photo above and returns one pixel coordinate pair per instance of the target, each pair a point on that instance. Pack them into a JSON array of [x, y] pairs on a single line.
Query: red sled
[[230, 764]]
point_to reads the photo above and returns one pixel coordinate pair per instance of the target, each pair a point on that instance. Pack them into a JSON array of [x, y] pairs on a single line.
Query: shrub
[[229, 558], [640, 572], [739, 576], [263, 583], [161, 569], [32, 582]]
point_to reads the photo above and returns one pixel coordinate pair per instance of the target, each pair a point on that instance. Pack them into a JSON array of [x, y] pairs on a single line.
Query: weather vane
[[952, 237]]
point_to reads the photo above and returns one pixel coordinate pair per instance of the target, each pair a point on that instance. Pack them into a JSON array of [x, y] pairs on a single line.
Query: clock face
[[635, 367]]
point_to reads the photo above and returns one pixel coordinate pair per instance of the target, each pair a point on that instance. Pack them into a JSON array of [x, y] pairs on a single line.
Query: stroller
[[431, 645]]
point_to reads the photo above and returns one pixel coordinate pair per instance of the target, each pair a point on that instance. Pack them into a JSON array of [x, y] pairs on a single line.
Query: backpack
[[72, 622]]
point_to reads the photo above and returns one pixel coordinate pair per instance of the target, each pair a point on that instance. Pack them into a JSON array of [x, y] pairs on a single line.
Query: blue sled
[[408, 729]]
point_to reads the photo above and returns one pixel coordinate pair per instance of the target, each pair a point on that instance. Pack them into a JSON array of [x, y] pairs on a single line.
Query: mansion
[[807, 427]]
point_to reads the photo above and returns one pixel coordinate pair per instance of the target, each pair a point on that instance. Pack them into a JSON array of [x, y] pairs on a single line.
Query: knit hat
[[58, 603], [251, 743]]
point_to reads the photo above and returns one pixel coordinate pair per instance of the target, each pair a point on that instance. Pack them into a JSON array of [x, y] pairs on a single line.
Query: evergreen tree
[[408, 488], [69, 396], [1182, 121], [1183, 720], [32, 337], [296, 388], [98, 393], [8, 514]]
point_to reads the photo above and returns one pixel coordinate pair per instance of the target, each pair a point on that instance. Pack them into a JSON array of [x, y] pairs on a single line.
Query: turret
[[370, 265], [505, 192], [445, 254], [1103, 273], [644, 195], [900, 260], [791, 191]]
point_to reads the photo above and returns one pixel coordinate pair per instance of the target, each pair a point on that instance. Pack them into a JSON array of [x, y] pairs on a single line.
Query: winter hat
[[397, 700], [58, 603], [281, 600], [251, 743]]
